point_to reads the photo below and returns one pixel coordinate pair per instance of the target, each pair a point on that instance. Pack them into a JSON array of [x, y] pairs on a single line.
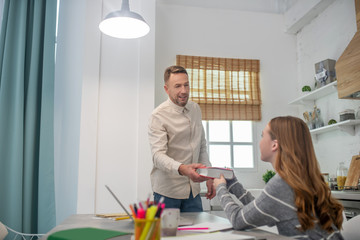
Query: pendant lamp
[[124, 23]]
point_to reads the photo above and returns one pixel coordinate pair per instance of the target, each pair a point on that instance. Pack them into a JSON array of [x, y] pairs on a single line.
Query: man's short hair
[[173, 70]]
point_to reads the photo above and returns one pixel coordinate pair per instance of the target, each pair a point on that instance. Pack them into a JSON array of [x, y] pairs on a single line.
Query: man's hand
[[190, 171], [217, 181], [211, 193]]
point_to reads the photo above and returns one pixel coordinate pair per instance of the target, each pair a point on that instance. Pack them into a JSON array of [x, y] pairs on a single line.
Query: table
[[90, 220]]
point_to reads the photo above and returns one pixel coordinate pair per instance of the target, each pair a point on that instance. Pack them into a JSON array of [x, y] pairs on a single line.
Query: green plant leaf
[[268, 175]]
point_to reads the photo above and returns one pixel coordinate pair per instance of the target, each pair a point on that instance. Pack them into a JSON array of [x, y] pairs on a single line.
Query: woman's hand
[[218, 181], [211, 193]]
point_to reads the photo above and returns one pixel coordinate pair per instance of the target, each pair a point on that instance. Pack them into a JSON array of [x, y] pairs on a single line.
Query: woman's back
[[297, 200], [274, 206]]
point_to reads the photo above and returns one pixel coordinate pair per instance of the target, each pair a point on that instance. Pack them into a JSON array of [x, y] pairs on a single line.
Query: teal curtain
[[27, 63]]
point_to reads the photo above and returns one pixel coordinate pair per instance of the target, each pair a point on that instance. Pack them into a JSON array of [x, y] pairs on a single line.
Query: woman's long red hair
[[296, 163]]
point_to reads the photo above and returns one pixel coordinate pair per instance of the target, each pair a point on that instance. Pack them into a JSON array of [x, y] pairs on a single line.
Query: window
[[228, 93], [224, 88], [230, 143]]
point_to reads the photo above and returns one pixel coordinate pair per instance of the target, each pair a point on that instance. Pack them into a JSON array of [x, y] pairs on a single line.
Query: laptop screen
[[122, 206]]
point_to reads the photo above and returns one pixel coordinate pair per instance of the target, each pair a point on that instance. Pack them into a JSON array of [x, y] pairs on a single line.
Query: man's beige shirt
[[176, 137]]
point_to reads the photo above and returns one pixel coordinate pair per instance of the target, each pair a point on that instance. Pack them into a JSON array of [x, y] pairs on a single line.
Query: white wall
[[125, 83], [233, 34], [146, 93], [105, 92], [326, 37]]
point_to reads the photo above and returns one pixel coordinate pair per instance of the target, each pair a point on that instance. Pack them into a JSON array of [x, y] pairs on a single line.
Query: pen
[[150, 215], [121, 218], [195, 228], [148, 200], [141, 213], [132, 210], [135, 208], [141, 206], [161, 200], [162, 208], [157, 228]]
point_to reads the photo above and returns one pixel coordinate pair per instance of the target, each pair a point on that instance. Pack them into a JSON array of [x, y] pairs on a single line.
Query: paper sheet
[[185, 221], [213, 227], [269, 229], [210, 236]]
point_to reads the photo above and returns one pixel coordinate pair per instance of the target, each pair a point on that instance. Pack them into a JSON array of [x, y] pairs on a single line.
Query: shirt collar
[[177, 107]]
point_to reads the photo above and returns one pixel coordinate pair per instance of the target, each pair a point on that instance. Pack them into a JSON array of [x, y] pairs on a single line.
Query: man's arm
[[190, 171], [158, 144]]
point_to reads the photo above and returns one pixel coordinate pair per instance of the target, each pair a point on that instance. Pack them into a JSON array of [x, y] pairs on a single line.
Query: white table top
[[90, 220]]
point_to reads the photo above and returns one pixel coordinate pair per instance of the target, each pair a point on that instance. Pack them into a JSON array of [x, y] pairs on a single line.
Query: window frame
[[231, 143]]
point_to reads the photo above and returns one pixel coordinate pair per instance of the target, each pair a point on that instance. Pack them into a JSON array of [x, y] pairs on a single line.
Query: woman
[[297, 200]]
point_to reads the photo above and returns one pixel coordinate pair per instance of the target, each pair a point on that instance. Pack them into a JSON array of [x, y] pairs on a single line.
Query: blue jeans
[[190, 204]]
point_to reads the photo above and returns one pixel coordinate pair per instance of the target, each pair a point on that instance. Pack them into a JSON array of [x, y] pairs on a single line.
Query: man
[[178, 146]]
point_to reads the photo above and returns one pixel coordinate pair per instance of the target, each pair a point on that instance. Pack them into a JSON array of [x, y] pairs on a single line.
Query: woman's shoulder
[[280, 192], [277, 186]]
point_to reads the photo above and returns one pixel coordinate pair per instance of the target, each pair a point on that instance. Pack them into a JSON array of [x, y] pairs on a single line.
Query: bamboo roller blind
[[224, 88]]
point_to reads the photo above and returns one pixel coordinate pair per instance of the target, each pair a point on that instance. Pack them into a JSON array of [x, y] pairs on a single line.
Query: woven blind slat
[[224, 88]]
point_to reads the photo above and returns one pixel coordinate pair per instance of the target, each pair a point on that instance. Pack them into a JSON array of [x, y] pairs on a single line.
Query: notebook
[[122, 206]]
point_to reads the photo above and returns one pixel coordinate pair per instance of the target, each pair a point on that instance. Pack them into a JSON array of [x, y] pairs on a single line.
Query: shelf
[[346, 195], [310, 97], [346, 126]]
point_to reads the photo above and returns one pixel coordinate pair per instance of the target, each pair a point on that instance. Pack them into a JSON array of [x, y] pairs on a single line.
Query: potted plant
[[306, 88], [268, 175]]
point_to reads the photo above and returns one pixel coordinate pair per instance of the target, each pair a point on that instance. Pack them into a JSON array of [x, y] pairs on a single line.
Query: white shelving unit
[[347, 126], [309, 98]]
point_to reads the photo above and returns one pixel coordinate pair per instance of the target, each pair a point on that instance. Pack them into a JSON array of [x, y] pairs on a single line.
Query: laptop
[[122, 206], [183, 220]]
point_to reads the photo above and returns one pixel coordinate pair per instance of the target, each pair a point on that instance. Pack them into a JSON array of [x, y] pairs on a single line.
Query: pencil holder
[[147, 229]]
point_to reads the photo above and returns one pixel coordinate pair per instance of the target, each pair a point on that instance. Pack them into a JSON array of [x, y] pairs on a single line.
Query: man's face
[[177, 87]]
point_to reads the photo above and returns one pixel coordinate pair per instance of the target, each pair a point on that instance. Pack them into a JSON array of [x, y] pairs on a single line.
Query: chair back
[[3, 231], [351, 229]]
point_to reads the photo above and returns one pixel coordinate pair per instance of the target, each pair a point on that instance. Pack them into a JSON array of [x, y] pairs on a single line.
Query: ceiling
[[266, 6]]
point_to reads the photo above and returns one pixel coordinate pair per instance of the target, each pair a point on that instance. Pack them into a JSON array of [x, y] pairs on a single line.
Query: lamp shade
[[124, 23]]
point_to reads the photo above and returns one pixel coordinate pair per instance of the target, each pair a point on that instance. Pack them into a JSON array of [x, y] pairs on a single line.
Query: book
[[215, 172], [85, 233]]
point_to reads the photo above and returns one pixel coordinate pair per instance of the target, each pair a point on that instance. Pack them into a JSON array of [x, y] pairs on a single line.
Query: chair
[[3, 231], [351, 229], [14, 235]]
